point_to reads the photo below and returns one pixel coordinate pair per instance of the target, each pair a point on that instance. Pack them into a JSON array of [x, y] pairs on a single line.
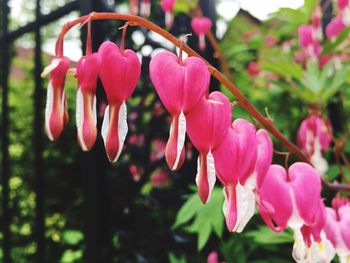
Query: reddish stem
[[88, 40], [136, 20]]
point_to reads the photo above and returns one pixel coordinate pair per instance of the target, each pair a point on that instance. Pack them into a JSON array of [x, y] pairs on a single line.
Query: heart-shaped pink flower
[[120, 72], [207, 126], [168, 8], [180, 86]]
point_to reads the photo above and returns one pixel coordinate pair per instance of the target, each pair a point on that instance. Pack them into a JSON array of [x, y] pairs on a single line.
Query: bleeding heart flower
[[201, 26], [344, 11], [87, 71], [335, 27], [180, 86], [308, 41], [319, 248], [337, 230], [56, 113], [291, 199], [213, 257], [315, 136], [235, 161], [208, 124], [168, 8], [120, 72]]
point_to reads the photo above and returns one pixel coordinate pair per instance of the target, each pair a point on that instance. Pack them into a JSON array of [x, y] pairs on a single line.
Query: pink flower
[[208, 124], [337, 230], [56, 114], [270, 40], [315, 136], [87, 71], [253, 68], [319, 248], [168, 8], [291, 199], [235, 161], [145, 8], [180, 86], [120, 72], [157, 149], [134, 7], [308, 41], [201, 26], [213, 257], [344, 11], [335, 27], [160, 178]]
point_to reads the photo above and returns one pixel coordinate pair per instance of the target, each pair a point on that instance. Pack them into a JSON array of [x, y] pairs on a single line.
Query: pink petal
[[180, 87], [306, 184], [120, 72], [209, 121], [275, 192]]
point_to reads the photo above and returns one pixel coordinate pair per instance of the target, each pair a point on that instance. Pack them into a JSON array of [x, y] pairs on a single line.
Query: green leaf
[[264, 235], [202, 219], [174, 259], [187, 211], [70, 256], [72, 237]]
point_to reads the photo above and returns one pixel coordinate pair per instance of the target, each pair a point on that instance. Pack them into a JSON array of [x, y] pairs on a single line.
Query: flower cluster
[[236, 153]]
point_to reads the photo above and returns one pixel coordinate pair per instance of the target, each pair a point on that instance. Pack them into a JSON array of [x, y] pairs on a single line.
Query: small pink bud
[[201, 26], [253, 68], [168, 8]]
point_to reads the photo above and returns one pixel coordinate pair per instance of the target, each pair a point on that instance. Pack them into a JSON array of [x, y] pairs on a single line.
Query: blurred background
[[60, 204]]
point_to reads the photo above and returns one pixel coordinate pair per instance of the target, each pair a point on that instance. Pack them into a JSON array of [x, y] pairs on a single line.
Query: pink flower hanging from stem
[[235, 161], [168, 8], [134, 7], [56, 113], [180, 85], [145, 8], [201, 26], [87, 70], [208, 124], [120, 72]]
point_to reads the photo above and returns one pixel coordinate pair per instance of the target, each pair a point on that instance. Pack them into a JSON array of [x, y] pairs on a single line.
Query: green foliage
[[202, 219], [264, 235], [72, 237]]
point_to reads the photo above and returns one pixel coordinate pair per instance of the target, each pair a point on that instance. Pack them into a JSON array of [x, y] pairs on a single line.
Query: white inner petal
[[180, 138], [210, 173], [48, 110], [79, 118], [94, 111], [225, 204], [299, 248], [317, 160], [105, 125], [346, 16], [122, 128], [245, 207]]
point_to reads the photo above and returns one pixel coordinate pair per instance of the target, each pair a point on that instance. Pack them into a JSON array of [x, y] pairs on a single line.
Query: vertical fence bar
[[38, 143], [5, 171]]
